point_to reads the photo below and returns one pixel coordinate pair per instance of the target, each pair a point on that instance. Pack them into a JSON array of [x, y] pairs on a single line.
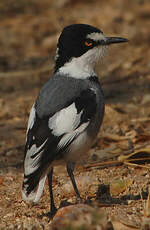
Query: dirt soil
[[117, 186]]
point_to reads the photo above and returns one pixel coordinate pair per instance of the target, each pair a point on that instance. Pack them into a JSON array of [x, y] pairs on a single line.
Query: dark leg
[[70, 168], [52, 204]]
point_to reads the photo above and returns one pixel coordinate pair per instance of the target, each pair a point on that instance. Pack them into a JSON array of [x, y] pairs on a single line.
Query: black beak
[[111, 40]]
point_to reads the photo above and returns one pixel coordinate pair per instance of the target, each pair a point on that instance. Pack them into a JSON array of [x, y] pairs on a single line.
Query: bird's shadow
[[103, 198]]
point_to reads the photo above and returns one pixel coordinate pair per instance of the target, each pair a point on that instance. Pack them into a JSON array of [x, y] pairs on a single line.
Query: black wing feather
[[85, 101]]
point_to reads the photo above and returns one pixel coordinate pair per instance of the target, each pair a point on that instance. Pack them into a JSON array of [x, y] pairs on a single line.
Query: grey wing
[[48, 137]]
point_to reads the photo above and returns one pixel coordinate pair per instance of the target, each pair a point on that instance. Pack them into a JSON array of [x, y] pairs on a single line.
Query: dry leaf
[[119, 186], [145, 223], [114, 137], [120, 226], [140, 156]]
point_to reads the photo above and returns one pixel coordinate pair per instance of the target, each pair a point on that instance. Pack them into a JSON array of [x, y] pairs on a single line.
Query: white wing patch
[[70, 136], [65, 121], [31, 162], [31, 118]]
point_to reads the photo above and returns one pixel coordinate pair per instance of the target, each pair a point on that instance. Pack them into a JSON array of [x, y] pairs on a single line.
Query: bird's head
[[79, 47]]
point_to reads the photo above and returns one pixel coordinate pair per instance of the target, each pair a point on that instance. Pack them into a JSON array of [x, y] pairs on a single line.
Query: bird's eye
[[88, 43]]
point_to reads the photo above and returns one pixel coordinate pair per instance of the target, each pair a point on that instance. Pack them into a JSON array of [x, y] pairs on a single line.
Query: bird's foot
[[79, 200], [52, 212]]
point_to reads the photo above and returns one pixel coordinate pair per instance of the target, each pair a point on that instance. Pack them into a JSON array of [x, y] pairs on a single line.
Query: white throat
[[83, 67]]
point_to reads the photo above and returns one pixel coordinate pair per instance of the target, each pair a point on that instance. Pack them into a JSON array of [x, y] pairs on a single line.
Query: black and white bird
[[67, 115]]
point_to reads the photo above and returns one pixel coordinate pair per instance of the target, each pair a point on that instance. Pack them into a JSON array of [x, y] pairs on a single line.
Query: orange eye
[[88, 43]]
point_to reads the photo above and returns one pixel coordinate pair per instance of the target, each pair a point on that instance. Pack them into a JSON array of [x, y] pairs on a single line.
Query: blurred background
[[29, 30]]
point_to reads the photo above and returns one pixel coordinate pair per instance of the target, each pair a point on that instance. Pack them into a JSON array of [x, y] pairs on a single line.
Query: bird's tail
[[32, 188]]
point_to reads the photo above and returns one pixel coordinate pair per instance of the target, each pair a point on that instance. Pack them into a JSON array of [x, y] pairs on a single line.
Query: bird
[[68, 112]]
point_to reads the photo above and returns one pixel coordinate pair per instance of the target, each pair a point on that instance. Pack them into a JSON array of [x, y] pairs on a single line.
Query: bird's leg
[[53, 209], [70, 168]]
